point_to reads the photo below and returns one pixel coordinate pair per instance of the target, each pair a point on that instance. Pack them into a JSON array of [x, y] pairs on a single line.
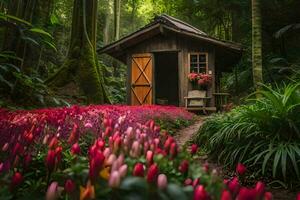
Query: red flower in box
[[202, 80]]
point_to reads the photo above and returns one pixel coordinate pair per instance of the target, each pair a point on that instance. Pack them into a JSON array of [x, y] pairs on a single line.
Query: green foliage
[[264, 135], [172, 126]]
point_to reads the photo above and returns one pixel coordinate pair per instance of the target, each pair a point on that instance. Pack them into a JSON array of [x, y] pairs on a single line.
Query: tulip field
[[107, 152]]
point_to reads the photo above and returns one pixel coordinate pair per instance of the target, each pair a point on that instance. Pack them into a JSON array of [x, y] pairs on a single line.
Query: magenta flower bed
[[105, 152]]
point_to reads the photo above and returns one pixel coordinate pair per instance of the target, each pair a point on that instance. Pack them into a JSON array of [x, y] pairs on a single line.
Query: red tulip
[[138, 170], [16, 180], [149, 157], [226, 195], [298, 196], [234, 185], [194, 149], [200, 193], [75, 149], [50, 160], [152, 173], [269, 196], [74, 134], [96, 163], [58, 151], [206, 167], [108, 131], [27, 160], [260, 188], [53, 143], [184, 166], [173, 150], [241, 169], [70, 186], [246, 194], [100, 144]]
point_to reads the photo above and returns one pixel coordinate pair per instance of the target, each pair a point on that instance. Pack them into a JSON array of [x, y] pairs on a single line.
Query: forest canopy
[[36, 42]]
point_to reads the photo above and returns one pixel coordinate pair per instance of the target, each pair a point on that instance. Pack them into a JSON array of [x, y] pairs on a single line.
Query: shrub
[[264, 134]]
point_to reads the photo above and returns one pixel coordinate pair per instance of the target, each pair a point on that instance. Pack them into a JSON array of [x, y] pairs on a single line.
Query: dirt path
[[186, 134]]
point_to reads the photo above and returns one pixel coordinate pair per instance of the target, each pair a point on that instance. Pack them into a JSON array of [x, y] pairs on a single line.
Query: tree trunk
[[117, 14], [106, 27], [256, 44], [81, 65]]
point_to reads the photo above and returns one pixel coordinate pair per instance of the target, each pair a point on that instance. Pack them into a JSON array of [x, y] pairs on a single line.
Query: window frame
[[198, 54]]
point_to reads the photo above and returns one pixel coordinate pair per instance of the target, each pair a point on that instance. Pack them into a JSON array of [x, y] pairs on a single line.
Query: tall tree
[[117, 16], [81, 65], [256, 44]]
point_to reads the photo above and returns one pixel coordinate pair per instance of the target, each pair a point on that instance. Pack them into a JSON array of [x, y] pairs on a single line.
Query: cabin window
[[198, 62]]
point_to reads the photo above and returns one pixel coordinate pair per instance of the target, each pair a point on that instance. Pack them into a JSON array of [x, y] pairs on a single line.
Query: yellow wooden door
[[141, 79]]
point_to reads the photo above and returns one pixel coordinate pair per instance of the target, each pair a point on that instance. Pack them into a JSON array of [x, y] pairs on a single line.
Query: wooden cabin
[[160, 56]]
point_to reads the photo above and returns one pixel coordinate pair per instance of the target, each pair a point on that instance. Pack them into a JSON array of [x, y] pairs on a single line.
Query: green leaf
[[14, 18], [31, 40], [283, 163], [50, 44], [41, 31], [175, 192]]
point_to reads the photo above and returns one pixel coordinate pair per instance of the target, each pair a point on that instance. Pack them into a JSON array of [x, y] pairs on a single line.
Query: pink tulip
[[138, 170], [149, 157], [162, 181], [200, 193], [123, 170], [106, 152], [135, 149], [206, 167], [70, 186], [188, 182], [75, 149], [226, 195], [117, 144], [114, 179], [241, 169], [196, 182], [5, 146], [194, 149], [52, 191], [111, 159], [152, 173]]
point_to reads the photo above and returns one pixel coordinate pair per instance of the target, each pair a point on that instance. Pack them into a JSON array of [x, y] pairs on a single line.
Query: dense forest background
[[35, 37]]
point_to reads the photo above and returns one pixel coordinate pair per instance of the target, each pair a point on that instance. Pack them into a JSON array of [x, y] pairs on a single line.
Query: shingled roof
[[165, 22]]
